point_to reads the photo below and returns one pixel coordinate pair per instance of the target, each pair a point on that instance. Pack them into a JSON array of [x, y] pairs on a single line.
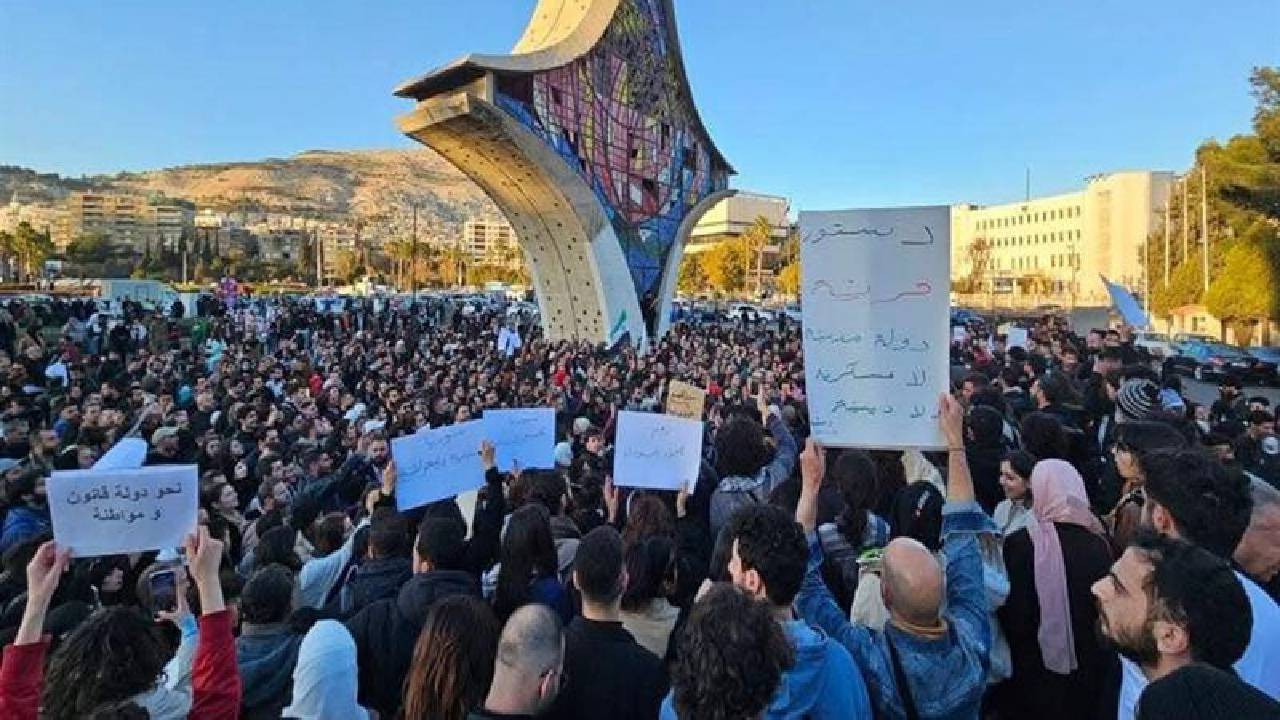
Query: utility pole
[[319, 247], [1204, 222], [1186, 221], [1167, 202], [413, 253]]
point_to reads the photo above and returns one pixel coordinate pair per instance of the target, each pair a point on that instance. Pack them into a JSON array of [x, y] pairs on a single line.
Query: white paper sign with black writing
[[660, 452], [437, 464], [525, 435], [876, 324], [113, 512]]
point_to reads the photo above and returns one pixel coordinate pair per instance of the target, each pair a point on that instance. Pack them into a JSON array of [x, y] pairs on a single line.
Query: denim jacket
[[947, 676]]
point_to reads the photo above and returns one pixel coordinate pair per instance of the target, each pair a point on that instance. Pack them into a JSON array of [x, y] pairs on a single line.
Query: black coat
[[1034, 691], [375, 580], [609, 675], [386, 631]]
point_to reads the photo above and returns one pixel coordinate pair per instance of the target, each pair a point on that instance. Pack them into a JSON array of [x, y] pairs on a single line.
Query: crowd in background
[[1090, 544]]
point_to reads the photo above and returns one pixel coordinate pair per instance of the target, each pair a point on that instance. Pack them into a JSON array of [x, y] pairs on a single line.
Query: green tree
[[346, 266], [30, 247], [754, 241], [726, 267], [90, 248], [1185, 285], [692, 278], [1245, 291], [789, 279]]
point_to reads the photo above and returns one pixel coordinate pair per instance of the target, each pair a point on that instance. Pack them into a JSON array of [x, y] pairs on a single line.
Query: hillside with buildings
[[369, 186], [278, 211]]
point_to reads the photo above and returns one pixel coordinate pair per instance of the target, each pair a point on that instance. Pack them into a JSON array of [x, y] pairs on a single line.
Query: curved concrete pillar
[[588, 140]]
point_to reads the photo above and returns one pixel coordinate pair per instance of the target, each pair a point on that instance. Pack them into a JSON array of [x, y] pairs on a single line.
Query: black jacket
[[375, 580], [1034, 691], [386, 631], [609, 675]]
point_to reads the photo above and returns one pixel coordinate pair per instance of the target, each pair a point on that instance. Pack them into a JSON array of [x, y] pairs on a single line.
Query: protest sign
[[526, 436], [437, 464], [959, 334], [876, 319], [113, 512], [661, 452], [1014, 336], [130, 452], [685, 400]]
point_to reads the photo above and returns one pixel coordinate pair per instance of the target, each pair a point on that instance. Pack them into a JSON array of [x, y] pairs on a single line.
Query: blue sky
[[833, 103]]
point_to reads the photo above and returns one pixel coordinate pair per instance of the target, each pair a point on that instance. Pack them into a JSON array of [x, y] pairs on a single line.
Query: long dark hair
[[452, 660], [528, 553], [651, 568], [855, 475], [112, 656], [648, 516]]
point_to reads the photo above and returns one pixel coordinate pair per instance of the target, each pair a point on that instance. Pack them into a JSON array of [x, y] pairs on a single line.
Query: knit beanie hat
[[1137, 398]]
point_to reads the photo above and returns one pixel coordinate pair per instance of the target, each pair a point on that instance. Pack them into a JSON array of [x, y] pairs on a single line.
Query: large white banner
[[113, 512], [876, 287]]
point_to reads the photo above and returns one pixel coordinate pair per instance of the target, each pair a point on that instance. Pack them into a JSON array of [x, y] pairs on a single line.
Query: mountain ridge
[[373, 187]]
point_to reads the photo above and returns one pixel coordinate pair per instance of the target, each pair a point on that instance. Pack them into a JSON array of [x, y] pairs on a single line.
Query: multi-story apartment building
[[487, 239], [129, 220]]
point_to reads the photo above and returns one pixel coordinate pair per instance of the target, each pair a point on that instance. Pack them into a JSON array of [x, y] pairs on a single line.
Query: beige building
[[487, 238], [1053, 250], [129, 220], [733, 216], [41, 217]]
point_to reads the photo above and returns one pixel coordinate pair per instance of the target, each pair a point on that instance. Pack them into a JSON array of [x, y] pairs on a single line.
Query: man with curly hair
[[731, 659], [767, 562]]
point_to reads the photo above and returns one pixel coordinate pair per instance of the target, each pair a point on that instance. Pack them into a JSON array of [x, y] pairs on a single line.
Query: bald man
[[924, 663], [529, 668]]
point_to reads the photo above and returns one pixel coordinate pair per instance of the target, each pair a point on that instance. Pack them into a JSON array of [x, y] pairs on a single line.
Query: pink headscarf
[[1057, 496]]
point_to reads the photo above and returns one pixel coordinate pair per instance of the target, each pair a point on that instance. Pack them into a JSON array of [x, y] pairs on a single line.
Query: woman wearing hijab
[[324, 680], [1059, 666]]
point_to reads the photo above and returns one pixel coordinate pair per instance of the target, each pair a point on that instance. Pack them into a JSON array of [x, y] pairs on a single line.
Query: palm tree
[[30, 247], [400, 253], [756, 239]]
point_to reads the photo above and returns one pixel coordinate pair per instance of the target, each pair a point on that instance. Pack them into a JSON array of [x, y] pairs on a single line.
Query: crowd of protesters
[[1089, 544]]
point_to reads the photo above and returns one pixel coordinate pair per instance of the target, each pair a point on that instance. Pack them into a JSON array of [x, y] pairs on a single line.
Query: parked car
[[961, 316], [752, 313], [1156, 343], [1215, 361], [1270, 355]]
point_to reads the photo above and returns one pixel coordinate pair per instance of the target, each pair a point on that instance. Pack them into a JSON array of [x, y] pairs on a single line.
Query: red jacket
[[215, 681], [21, 677]]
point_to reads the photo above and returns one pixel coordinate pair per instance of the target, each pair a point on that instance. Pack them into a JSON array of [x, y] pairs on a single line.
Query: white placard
[[876, 324], [661, 452], [526, 436], [959, 334], [113, 512], [437, 464], [1014, 336], [130, 452]]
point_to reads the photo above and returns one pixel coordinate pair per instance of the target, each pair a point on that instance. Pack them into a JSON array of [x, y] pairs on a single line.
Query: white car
[[1156, 343], [752, 313], [522, 308]]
